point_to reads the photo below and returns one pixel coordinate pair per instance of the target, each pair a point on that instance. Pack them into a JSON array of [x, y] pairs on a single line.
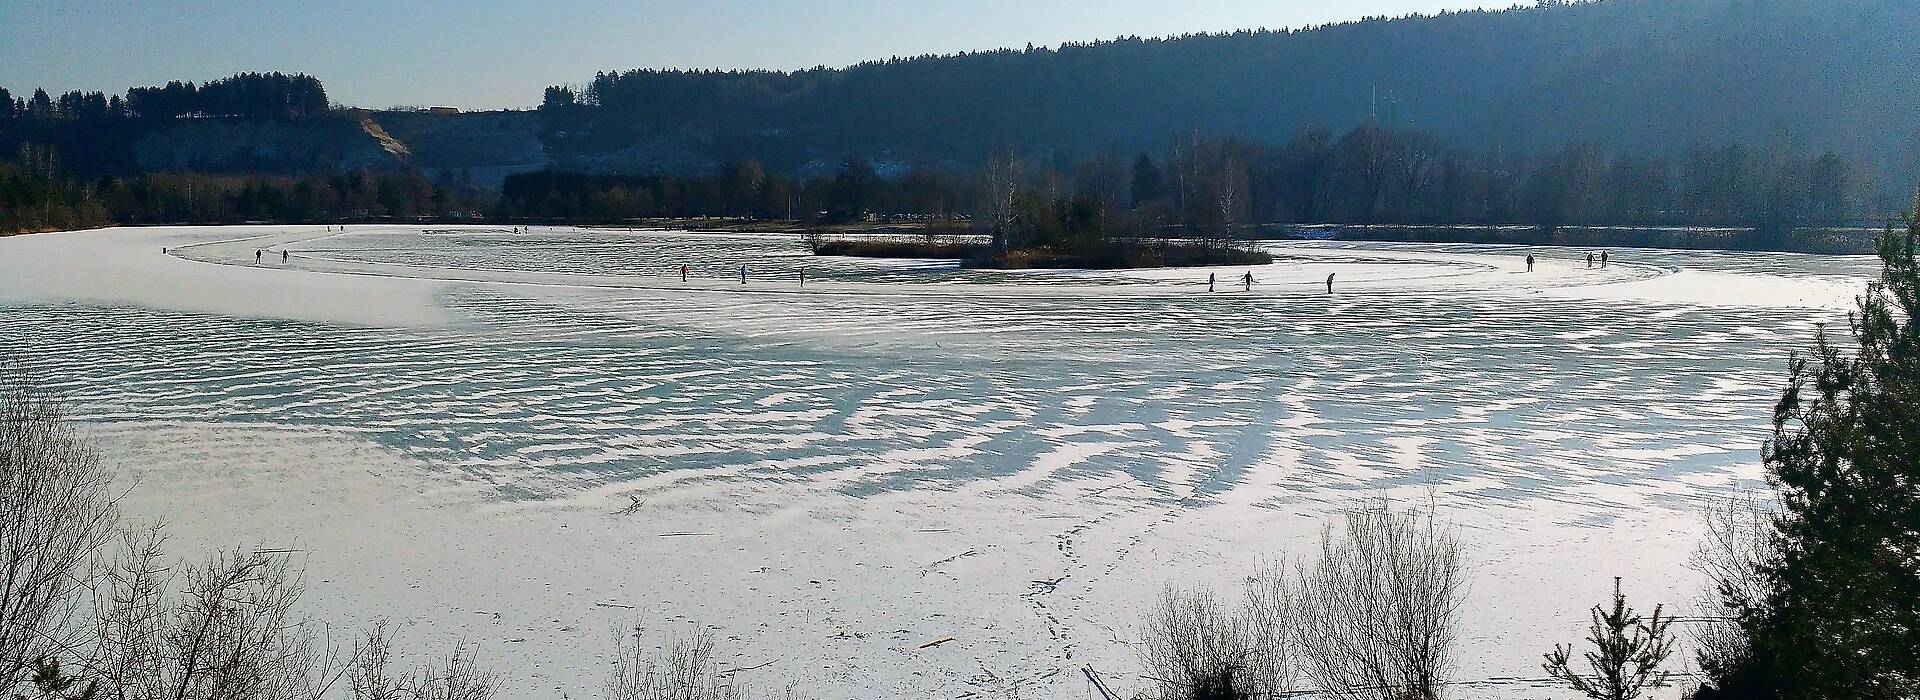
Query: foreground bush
[[56, 513], [1198, 648], [685, 670], [1378, 611], [1830, 607], [1372, 619], [78, 621]]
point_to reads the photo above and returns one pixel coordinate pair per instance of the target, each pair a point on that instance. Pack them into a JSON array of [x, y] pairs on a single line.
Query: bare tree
[[57, 511], [1192, 648], [1195, 647], [1377, 612], [1229, 196], [232, 633], [130, 619], [683, 670], [1270, 616], [1003, 192]]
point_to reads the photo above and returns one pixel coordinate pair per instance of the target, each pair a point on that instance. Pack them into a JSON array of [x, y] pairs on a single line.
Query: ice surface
[[445, 422]]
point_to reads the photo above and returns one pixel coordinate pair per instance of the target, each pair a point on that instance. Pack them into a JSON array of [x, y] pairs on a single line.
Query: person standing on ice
[[683, 272], [1248, 279], [1329, 283], [743, 273], [1209, 281], [803, 277], [283, 256], [1589, 258], [256, 257], [1603, 260], [1529, 263]]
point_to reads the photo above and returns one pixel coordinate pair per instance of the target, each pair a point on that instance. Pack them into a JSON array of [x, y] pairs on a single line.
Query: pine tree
[[1842, 614], [1627, 653]]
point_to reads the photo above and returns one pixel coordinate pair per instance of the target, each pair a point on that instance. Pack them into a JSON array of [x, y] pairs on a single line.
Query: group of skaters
[[1246, 281], [686, 271], [1603, 260]]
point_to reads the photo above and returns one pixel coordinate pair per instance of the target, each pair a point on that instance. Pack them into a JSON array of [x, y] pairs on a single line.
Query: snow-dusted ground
[[447, 423]]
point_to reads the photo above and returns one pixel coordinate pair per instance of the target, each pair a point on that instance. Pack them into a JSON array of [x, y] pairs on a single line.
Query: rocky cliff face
[[483, 146], [236, 145], [486, 146], [478, 147]]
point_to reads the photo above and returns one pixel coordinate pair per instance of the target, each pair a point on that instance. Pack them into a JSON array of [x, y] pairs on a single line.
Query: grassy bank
[[896, 249]]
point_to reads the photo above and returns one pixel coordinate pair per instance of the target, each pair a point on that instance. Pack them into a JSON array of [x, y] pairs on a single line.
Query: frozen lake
[[449, 423]]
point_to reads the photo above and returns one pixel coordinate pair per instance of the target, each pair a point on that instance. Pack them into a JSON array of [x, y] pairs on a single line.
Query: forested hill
[[1640, 75]]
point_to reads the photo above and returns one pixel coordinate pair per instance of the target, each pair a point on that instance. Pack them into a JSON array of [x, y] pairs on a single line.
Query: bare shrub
[[234, 633], [226, 629], [1376, 614], [1197, 648], [459, 677], [1738, 545], [370, 674], [683, 670], [57, 511], [231, 633]]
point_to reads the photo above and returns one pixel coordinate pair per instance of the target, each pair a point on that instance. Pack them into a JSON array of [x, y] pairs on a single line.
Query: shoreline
[[1820, 241], [1812, 241]]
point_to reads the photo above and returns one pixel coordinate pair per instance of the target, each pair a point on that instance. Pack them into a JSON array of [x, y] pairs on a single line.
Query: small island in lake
[[1101, 255], [1091, 229]]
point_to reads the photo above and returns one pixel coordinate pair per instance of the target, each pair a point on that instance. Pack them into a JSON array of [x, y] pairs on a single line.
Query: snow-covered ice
[[447, 423]]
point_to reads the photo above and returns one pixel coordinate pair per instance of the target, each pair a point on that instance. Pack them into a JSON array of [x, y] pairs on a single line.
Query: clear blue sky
[[497, 53]]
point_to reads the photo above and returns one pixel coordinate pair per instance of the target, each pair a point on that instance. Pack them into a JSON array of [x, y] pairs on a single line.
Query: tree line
[[96, 134], [1372, 174], [1196, 188], [34, 200], [249, 95], [1521, 81]]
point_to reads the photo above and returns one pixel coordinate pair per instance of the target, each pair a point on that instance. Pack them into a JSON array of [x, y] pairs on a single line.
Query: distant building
[[443, 110]]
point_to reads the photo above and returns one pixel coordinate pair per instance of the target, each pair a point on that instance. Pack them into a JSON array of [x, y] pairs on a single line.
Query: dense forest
[[1194, 187], [254, 95], [33, 199], [1655, 77], [1368, 175], [93, 133]]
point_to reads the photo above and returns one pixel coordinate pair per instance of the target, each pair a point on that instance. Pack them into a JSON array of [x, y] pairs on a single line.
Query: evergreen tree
[[40, 106], [1841, 617], [1148, 183], [1627, 653]]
